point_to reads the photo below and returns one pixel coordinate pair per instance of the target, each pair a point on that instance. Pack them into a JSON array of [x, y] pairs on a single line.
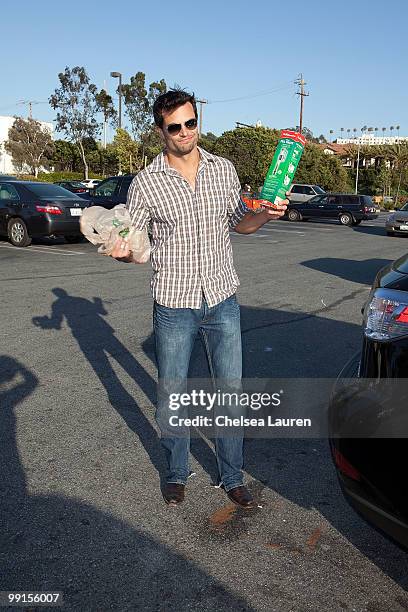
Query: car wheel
[[294, 215], [390, 234], [346, 219], [357, 222], [73, 239], [17, 233]]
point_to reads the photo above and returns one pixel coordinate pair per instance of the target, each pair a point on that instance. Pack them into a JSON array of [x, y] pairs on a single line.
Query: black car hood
[[401, 265], [393, 276]]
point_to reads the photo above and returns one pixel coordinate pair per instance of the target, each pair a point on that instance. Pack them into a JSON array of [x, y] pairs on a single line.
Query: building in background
[[6, 161], [368, 139]]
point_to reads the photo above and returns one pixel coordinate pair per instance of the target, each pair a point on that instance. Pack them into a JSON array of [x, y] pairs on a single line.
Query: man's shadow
[[96, 339], [53, 543]]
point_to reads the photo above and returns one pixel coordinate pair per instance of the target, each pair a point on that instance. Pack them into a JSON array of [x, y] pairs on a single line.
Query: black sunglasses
[[174, 128]]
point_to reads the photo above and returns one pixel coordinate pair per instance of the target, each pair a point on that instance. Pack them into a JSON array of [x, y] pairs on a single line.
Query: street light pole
[[118, 75]]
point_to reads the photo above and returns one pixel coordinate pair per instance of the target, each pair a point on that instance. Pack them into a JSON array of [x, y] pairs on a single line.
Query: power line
[[19, 102], [256, 95]]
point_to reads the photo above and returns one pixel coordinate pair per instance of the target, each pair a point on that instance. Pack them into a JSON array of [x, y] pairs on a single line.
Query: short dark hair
[[169, 101]]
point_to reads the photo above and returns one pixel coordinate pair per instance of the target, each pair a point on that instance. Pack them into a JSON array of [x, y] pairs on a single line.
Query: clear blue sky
[[353, 55]]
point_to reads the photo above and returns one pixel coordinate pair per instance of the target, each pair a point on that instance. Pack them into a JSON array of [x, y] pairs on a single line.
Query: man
[[190, 199]]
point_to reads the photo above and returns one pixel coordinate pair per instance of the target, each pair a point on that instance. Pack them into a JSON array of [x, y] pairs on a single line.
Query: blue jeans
[[175, 331]]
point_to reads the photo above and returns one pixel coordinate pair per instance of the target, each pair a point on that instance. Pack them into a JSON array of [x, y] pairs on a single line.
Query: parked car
[[368, 420], [111, 191], [33, 209], [397, 222], [302, 193], [6, 177], [90, 183], [347, 208], [73, 186]]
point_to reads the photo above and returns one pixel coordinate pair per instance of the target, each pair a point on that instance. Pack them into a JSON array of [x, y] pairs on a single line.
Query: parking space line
[[40, 249], [272, 229], [52, 248], [311, 226]]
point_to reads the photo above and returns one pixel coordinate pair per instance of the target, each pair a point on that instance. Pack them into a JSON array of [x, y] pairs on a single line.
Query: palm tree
[[391, 129], [342, 130], [398, 129], [348, 131], [383, 131], [332, 132], [398, 155], [355, 132]]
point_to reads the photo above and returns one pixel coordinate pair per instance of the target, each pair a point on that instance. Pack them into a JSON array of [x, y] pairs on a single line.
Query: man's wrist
[[263, 217]]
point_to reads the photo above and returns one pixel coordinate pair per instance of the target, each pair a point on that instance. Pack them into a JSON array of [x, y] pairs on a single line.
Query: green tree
[[65, 156], [250, 150], [77, 108], [152, 145], [105, 105], [316, 167], [207, 141], [126, 150], [139, 102], [29, 143]]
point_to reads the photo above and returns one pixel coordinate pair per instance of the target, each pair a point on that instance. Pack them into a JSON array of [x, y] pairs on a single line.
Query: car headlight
[[386, 315]]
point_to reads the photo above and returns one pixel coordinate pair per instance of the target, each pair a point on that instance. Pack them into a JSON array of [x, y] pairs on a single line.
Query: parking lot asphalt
[[81, 508]]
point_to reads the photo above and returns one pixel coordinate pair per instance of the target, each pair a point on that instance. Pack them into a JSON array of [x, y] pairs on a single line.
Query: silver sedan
[[397, 222]]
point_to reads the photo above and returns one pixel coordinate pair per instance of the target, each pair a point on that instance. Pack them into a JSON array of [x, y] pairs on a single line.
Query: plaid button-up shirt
[[191, 250]]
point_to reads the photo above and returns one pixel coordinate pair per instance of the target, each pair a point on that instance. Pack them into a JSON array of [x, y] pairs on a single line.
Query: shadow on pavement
[[370, 229], [362, 272], [301, 471], [96, 339], [53, 543], [276, 343]]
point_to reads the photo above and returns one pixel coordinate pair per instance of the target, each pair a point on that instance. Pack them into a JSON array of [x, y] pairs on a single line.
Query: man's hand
[[252, 222], [121, 251], [276, 212]]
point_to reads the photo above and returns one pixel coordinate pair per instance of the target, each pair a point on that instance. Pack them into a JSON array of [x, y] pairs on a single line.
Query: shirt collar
[[159, 163]]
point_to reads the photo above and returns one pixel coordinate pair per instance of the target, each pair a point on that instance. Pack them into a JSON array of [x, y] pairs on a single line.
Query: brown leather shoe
[[242, 497], [173, 493]]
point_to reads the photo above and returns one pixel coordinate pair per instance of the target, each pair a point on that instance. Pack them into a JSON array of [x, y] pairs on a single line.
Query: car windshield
[[405, 207], [43, 190], [318, 189], [76, 184], [314, 199]]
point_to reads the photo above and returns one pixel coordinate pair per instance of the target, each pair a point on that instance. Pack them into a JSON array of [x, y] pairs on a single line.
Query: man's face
[[186, 139]]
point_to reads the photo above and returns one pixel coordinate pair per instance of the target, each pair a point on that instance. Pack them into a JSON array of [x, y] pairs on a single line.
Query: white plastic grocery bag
[[105, 227]]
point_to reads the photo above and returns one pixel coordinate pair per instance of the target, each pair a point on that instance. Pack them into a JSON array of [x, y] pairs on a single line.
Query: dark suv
[[111, 191], [347, 208]]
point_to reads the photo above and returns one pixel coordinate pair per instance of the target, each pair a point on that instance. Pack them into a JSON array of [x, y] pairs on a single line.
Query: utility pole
[[300, 81], [200, 125], [30, 105]]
